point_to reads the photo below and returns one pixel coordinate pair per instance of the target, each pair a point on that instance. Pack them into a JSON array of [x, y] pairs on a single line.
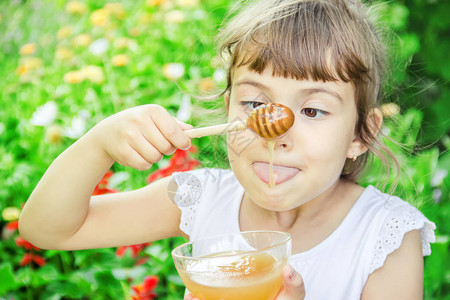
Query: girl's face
[[308, 160]]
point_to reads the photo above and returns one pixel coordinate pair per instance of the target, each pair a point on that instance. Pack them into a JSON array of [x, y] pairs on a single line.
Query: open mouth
[[281, 173]]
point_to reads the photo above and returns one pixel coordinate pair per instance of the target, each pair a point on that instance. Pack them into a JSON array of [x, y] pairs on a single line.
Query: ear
[[374, 121]]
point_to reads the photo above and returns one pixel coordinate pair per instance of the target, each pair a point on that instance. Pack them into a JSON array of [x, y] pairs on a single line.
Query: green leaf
[[7, 279]]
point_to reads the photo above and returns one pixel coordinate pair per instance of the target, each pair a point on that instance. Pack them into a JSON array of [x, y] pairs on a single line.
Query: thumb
[[293, 287]]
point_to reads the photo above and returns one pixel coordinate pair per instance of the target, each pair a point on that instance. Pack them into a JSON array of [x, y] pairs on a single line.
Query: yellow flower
[[116, 9], [63, 53], [188, 3], [82, 40], [53, 134], [99, 17], [10, 214], [76, 8], [73, 77], [134, 31], [173, 71], [28, 49], [175, 16], [390, 109], [120, 60], [124, 43], [94, 74], [22, 70], [145, 18], [206, 85], [121, 42], [154, 2], [64, 32], [28, 64], [33, 62]]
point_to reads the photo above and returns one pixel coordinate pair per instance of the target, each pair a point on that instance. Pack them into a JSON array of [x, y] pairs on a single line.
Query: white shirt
[[336, 268]]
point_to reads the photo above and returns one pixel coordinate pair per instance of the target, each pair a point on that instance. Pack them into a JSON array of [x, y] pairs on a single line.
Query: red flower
[[102, 186], [30, 257], [145, 291], [26, 259], [25, 244], [179, 162], [13, 225], [135, 249]]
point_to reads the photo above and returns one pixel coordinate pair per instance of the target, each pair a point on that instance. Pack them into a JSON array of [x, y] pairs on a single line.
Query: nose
[[283, 143]]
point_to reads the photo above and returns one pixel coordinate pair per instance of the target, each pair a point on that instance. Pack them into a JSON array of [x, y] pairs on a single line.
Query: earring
[[354, 157]]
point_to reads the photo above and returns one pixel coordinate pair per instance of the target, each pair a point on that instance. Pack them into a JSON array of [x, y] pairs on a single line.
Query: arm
[[60, 213], [401, 276]]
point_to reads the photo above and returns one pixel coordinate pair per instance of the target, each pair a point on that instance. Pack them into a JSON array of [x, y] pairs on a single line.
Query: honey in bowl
[[250, 277], [240, 266]]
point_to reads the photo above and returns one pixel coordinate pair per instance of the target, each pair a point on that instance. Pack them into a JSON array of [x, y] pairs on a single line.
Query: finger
[[130, 157], [293, 287], [184, 126], [154, 136], [189, 297], [171, 129]]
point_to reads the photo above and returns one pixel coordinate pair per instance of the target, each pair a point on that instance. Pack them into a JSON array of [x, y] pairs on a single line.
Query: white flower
[[78, 125], [44, 114], [173, 71], [390, 110], [175, 17], [188, 3], [220, 75], [94, 74], [98, 47], [184, 112], [438, 177]]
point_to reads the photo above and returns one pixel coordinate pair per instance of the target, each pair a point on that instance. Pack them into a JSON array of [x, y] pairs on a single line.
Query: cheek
[[239, 143], [329, 144]]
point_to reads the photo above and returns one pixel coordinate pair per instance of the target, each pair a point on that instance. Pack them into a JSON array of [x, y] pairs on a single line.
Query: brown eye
[[314, 113], [310, 112]]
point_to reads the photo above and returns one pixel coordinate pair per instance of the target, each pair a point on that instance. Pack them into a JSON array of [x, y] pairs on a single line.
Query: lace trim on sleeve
[[187, 198], [402, 220]]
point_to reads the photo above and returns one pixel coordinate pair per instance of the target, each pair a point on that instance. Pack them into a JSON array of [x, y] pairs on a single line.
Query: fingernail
[[291, 273]]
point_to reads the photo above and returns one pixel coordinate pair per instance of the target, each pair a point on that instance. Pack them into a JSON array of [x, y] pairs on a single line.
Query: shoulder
[[200, 192], [392, 218], [401, 276]]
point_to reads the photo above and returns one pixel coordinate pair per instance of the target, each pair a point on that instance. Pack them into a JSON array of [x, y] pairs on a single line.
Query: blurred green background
[[66, 65]]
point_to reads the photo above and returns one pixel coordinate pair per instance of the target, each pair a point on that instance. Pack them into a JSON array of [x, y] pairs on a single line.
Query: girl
[[324, 60]]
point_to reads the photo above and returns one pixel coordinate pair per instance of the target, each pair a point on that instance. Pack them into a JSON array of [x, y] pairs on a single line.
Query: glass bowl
[[245, 265]]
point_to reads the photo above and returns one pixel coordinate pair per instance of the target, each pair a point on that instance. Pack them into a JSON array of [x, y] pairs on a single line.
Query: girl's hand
[[293, 288], [140, 136]]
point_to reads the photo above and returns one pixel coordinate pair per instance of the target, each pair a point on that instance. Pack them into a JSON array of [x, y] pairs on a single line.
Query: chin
[[275, 199]]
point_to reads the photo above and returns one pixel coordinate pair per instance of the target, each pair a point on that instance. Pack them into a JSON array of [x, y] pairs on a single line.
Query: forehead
[[246, 79]]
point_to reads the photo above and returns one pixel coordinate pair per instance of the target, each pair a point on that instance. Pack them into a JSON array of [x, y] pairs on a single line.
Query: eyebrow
[[307, 91], [252, 83], [319, 90]]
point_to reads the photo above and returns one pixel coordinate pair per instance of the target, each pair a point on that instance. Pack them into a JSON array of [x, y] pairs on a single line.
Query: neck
[[315, 211]]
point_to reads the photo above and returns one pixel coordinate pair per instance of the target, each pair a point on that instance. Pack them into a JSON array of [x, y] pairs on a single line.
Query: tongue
[[281, 173]]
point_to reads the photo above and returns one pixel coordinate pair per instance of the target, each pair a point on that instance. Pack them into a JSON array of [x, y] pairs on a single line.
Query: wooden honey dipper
[[269, 121]]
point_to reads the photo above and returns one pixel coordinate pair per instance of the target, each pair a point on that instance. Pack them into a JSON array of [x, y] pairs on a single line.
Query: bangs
[[305, 40]]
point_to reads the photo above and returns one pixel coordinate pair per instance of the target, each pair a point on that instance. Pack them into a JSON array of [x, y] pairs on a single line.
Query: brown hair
[[296, 38]]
